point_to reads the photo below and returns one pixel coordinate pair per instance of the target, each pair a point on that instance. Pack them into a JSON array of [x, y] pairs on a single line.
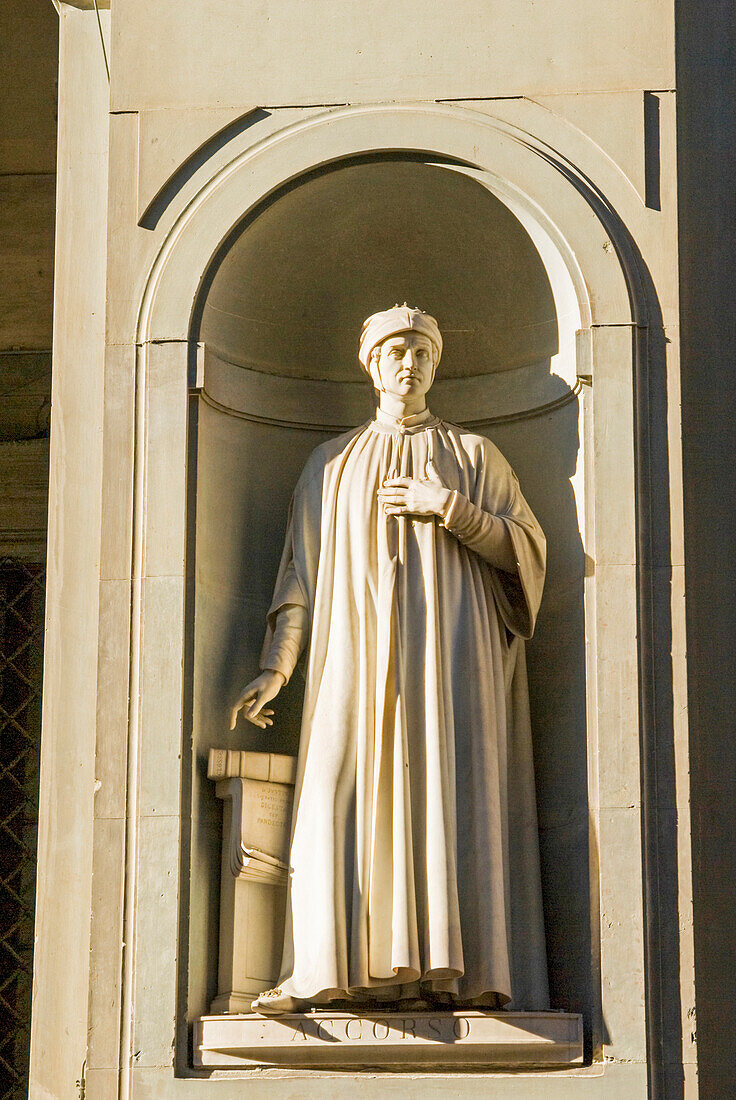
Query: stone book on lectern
[[271, 767]]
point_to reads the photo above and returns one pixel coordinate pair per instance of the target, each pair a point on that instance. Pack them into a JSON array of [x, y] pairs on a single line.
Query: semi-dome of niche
[[291, 294]]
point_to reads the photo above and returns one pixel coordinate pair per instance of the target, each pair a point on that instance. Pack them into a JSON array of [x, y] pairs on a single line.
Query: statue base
[[500, 1040]]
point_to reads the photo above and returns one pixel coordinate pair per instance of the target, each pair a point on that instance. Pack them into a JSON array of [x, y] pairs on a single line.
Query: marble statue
[[413, 571]]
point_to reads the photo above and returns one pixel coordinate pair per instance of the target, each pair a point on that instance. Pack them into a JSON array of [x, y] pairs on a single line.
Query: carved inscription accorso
[[442, 1029], [391, 1038]]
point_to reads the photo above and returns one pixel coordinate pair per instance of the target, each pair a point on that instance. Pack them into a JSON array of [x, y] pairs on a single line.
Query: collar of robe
[[418, 422]]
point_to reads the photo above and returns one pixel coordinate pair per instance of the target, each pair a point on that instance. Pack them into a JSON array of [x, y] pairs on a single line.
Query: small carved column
[[257, 789]]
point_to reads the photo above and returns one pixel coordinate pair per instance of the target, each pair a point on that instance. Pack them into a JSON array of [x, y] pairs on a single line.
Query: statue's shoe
[[274, 1002]]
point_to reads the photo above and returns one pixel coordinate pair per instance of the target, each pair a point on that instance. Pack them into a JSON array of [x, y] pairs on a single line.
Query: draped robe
[[414, 852]]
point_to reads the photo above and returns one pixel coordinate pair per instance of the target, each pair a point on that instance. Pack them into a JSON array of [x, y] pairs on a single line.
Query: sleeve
[[480, 531], [288, 621], [289, 637], [496, 498]]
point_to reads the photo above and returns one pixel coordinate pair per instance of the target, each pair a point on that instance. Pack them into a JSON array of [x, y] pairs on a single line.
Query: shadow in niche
[[380, 285], [543, 450], [654, 622]]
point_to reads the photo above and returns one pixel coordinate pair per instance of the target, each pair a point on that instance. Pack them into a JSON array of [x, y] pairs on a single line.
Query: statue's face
[[405, 366]]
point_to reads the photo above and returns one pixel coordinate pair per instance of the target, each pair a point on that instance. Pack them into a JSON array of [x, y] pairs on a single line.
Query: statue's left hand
[[401, 496]]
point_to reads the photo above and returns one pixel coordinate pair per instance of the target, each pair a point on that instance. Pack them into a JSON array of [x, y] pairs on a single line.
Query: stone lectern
[[257, 790]]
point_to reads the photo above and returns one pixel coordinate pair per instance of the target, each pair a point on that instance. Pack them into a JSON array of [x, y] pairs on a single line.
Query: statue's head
[[400, 349]]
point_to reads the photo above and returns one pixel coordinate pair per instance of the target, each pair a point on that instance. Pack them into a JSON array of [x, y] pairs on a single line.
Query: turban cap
[[391, 322]]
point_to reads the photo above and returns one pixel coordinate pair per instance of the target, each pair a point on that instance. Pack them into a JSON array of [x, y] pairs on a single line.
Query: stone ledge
[[503, 1040]]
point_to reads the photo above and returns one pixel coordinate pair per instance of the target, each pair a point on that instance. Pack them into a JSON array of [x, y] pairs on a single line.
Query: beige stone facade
[[237, 191]]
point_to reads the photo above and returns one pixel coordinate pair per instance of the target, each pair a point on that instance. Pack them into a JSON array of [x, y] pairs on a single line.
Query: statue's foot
[[274, 1002]]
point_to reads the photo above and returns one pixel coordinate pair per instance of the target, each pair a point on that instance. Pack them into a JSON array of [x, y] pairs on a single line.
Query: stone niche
[[277, 324]]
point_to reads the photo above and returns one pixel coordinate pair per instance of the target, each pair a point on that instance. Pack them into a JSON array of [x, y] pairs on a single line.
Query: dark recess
[[706, 132]]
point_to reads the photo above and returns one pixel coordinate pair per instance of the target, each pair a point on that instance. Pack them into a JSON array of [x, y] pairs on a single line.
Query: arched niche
[[595, 278], [277, 320]]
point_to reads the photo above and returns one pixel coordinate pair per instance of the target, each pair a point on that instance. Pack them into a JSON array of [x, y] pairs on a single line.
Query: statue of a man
[[413, 568]]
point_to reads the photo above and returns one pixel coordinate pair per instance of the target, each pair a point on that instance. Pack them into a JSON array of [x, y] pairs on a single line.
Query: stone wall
[[219, 114], [29, 33]]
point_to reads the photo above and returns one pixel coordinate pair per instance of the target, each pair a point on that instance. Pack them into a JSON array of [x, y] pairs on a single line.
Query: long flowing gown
[[414, 852]]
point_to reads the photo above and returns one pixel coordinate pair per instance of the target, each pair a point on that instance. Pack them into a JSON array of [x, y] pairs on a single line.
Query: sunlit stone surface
[[341, 1038]]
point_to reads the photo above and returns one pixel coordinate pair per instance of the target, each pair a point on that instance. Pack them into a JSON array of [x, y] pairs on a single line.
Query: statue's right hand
[[255, 696]]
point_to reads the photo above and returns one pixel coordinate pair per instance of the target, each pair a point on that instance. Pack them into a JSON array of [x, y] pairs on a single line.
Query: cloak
[[414, 854]]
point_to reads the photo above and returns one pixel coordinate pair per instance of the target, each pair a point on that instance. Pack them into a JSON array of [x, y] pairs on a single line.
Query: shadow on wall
[[544, 452]]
